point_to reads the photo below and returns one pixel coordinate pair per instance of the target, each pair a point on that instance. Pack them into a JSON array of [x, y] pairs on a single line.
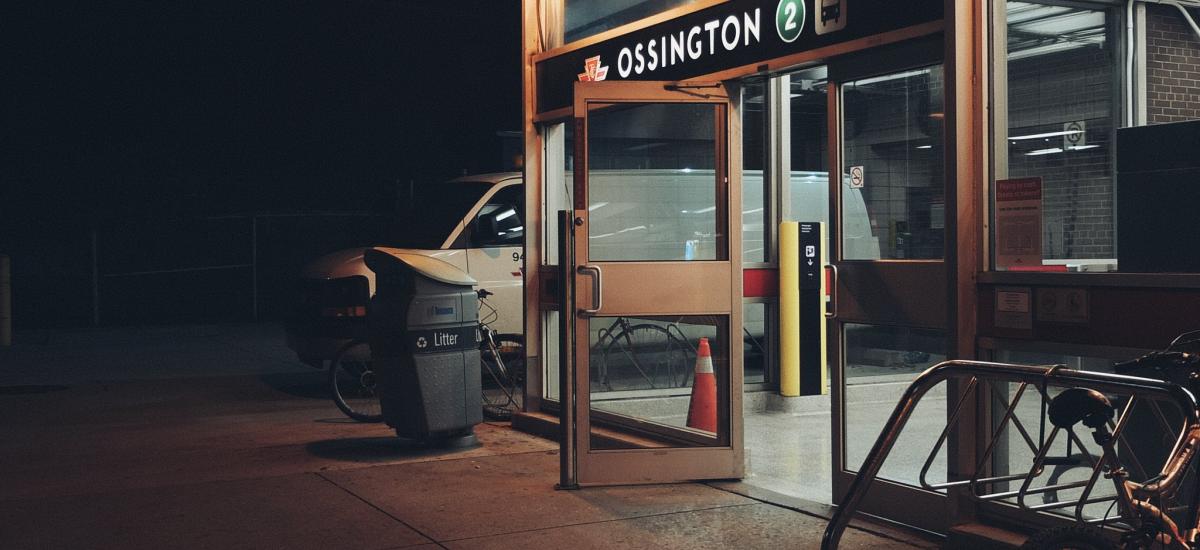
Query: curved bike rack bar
[[980, 373]]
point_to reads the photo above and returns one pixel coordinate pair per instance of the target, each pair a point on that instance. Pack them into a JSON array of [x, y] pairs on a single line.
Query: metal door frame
[[583, 465], [923, 509]]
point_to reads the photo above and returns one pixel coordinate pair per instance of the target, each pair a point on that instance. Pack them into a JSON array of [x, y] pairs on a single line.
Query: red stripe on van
[[760, 283]]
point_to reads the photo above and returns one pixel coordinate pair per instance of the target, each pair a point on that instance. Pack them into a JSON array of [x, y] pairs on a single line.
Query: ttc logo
[[593, 71]]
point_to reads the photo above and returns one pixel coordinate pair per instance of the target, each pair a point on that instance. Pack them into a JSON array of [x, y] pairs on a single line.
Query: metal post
[[95, 277], [254, 266], [568, 464], [5, 301]]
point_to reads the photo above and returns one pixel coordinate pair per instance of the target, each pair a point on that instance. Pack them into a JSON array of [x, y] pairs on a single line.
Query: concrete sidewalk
[[266, 461]]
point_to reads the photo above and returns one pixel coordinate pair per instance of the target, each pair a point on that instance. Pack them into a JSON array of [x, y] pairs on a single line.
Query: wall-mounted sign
[[829, 15], [1013, 308], [789, 19], [1074, 135], [857, 178], [593, 71], [1018, 228], [737, 33], [1062, 305]]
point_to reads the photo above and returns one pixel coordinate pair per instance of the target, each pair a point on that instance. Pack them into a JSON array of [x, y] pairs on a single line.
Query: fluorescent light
[[645, 146], [924, 147], [704, 210], [626, 230], [1045, 135], [1040, 152], [506, 214], [597, 206], [886, 78], [754, 211], [1053, 150]]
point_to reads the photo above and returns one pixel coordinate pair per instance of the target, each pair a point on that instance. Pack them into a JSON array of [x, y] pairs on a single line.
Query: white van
[[668, 215], [475, 223]]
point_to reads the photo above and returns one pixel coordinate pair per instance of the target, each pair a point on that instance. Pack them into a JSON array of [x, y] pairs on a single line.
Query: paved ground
[[192, 455]]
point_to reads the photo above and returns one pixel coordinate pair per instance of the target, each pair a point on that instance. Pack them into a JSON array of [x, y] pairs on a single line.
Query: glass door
[[889, 307], [657, 308]]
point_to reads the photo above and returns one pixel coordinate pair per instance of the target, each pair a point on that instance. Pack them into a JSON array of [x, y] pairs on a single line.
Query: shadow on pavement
[[378, 449], [306, 385]]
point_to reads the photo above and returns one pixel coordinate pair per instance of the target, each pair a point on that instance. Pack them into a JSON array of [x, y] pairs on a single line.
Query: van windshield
[[430, 211]]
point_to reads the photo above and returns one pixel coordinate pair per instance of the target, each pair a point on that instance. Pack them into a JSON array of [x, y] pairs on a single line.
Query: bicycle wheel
[[503, 374], [1073, 537], [352, 383], [645, 357]]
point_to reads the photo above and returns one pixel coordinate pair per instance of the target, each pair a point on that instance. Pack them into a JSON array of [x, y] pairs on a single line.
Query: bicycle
[[653, 352], [352, 383], [1144, 508], [650, 350], [502, 359]]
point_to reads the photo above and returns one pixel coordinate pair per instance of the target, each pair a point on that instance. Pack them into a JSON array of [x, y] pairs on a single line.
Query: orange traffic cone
[[702, 411]]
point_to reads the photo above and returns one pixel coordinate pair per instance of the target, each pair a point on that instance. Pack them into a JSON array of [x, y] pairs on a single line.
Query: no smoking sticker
[[856, 177]]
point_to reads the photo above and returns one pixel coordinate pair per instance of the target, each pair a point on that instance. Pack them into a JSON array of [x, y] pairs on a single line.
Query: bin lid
[[438, 270]]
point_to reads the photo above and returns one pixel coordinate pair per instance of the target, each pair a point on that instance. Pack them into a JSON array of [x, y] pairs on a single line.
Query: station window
[[892, 135], [585, 18], [1069, 77]]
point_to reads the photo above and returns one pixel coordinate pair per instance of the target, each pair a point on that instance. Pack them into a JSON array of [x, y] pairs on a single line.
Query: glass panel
[[880, 364], [588, 17], [642, 374], [892, 147], [559, 171], [806, 194], [754, 194], [1151, 432], [652, 184], [1061, 94], [550, 354], [559, 144], [756, 342]]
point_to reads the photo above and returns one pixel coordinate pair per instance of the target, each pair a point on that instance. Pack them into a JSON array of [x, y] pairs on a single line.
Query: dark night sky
[[183, 108]]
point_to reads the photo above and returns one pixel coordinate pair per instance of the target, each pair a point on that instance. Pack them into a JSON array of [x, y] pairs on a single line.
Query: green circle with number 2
[[789, 19]]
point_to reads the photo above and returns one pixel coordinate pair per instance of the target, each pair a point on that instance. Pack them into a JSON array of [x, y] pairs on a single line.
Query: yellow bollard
[[789, 309], [5, 301]]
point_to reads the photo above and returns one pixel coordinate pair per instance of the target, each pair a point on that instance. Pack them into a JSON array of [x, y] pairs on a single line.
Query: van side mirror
[[498, 227]]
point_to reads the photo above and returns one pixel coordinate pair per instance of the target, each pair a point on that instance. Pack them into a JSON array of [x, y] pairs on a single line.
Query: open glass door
[[890, 289], [657, 284]]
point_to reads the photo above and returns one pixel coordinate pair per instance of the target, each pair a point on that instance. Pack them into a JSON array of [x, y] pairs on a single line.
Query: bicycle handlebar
[[1161, 360]]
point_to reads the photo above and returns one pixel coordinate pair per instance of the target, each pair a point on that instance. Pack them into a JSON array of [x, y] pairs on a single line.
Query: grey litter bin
[[422, 325]]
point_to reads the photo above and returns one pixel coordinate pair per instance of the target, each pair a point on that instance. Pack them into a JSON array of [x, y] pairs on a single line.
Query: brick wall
[[1172, 66]]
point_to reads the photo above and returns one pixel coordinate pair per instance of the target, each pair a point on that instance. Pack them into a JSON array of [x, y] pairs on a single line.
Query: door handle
[[833, 295], [597, 294]]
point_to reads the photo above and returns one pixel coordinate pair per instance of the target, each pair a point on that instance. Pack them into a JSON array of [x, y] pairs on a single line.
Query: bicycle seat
[[1080, 404]]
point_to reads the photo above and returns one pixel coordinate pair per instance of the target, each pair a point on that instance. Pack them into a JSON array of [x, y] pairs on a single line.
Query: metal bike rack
[[978, 373]]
